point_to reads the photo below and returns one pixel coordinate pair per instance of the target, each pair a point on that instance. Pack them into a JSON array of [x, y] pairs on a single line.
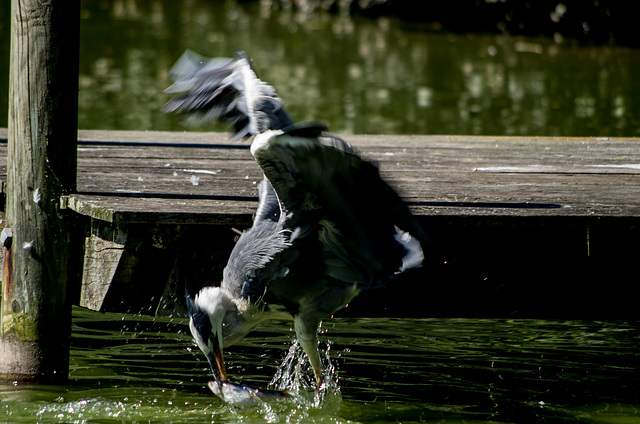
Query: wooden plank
[[101, 261], [121, 209], [170, 177]]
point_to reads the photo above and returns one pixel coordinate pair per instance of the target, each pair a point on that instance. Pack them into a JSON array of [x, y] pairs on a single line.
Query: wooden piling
[[42, 158]]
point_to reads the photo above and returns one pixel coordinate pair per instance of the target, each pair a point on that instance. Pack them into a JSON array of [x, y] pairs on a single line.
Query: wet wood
[[164, 177]]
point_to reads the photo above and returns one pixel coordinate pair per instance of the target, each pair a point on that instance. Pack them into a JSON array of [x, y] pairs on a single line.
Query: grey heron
[[327, 225]]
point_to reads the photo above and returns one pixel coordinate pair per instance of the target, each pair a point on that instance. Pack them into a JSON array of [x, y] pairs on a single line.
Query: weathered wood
[[554, 216], [101, 261], [41, 166], [166, 177], [437, 175]]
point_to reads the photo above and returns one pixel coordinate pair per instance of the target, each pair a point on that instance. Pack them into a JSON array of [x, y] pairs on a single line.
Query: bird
[[326, 228]]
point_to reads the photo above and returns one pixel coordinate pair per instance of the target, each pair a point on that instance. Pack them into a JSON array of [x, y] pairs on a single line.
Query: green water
[[128, 368], [376, 76]]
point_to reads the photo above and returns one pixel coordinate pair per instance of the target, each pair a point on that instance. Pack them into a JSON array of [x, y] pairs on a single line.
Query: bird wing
[[268, 206], [227, 90], [325, 189]]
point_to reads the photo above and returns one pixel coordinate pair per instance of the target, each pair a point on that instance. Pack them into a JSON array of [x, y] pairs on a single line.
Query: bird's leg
[[307, 334]]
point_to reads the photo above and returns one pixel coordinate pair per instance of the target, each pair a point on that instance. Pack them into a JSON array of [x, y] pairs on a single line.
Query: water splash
[[296, 375], [305, 402], [435, 370], [100, 409]]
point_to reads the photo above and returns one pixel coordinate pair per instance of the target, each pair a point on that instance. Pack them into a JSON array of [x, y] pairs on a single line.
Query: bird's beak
[[216, 361]]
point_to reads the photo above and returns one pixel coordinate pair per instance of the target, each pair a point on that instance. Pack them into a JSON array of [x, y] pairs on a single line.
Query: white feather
[[414, 256]]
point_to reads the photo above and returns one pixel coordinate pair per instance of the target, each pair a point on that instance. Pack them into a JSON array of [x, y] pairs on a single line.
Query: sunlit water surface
[[127, 368]]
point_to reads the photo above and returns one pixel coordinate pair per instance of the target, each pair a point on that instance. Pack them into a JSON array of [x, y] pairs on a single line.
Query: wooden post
[[42, 162]]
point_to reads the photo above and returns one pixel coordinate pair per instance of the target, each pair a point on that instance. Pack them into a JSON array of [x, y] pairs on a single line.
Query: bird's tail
[[226, 90]]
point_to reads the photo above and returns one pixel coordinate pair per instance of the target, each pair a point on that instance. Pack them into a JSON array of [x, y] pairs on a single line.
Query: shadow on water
[[127, 368]]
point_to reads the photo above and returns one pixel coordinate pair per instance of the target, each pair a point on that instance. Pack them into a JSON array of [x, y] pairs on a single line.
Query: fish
[[243, 395]]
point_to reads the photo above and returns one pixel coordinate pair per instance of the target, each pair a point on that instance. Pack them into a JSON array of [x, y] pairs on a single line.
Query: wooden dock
[[165, 177], [563, 199]]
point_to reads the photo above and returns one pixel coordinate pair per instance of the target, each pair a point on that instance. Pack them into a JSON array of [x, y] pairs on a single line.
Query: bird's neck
[[241, 319]]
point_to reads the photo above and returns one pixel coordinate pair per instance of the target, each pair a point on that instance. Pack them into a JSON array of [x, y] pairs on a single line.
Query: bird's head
[[209, 313]]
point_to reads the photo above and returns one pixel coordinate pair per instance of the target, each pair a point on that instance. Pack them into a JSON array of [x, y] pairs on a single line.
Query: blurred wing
[[366, 230], [226, 90]]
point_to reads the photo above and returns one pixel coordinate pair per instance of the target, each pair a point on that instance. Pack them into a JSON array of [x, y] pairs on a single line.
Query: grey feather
[[227, 90], [327, 225]]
